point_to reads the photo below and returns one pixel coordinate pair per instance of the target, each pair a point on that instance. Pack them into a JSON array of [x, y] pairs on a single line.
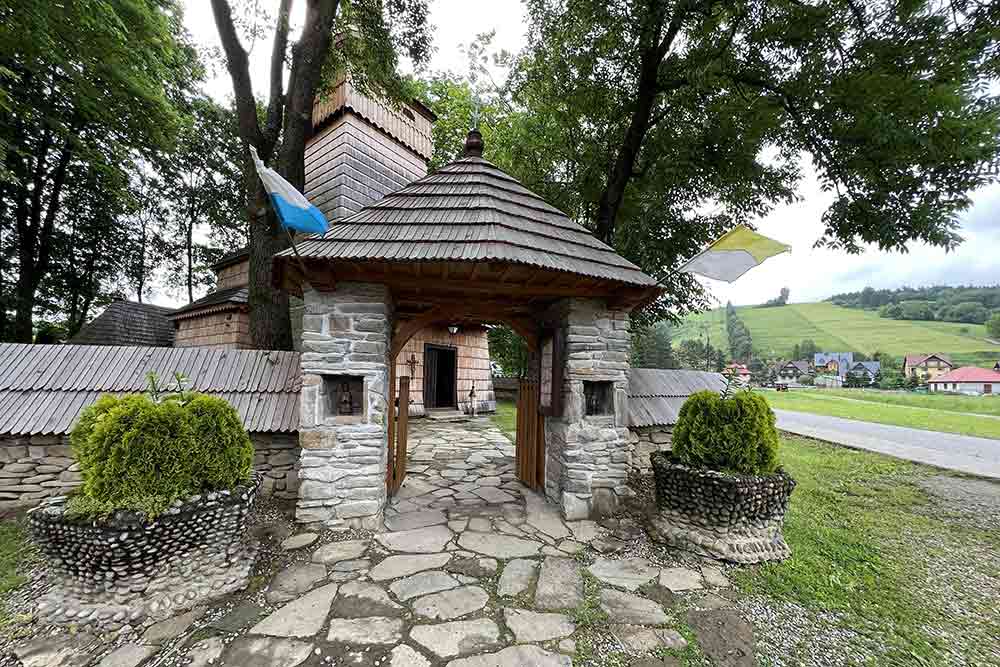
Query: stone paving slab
[[300, 618], [450, 604], [515, 656], [560, 584], [394, 567], [530, 626], [448, 640]]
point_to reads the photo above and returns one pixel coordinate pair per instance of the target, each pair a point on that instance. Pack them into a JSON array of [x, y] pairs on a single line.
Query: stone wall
[[587, 456], [276, 459], [345, 334], [229, 328], [645, 440], [128, 570], [34, 467], [473, 359], [730, 517]]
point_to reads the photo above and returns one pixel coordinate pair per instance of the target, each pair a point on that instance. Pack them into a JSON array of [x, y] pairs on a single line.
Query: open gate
[[398, 430], [530, 446]]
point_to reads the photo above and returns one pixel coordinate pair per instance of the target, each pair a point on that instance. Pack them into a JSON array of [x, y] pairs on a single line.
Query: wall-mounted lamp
[[453, 329]]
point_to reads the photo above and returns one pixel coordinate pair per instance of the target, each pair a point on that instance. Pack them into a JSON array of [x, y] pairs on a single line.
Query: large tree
[[369, 33], [85, 89], [203, 197], [662, 123]]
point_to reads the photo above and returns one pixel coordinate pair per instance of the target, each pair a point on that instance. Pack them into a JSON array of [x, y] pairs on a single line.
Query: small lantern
[[344, 405], [453, 329]]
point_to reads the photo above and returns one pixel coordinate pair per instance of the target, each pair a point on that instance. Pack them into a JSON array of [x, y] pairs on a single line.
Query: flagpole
[[302, 264]]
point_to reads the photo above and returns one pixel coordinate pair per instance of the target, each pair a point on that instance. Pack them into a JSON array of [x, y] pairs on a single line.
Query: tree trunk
[[270, 319], [35, 251]]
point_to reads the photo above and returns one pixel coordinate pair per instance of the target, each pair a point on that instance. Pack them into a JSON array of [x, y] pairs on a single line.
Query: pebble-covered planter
[[729, 517], [128, 569]]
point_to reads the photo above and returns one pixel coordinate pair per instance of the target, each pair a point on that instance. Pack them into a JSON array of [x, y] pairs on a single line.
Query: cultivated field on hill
[[834, 328]]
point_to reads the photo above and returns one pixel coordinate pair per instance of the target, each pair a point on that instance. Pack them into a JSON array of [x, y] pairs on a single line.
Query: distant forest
[[964, 303]]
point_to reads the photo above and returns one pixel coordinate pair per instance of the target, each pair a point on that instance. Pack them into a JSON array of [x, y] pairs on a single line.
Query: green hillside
[[836, 329]]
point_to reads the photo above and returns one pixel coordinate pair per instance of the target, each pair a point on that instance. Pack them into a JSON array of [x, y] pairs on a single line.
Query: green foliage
[[735, 434], [993, 326], [651, 348], [138, 454], [776, 331], [740, 341], [702, 112], [508, 350], [89, 90]]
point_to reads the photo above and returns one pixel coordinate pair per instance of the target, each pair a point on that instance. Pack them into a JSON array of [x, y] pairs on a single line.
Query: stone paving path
[[472, 570]]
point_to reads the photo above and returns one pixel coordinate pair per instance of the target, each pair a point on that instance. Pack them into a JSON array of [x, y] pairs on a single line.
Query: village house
[[791, 371], [739, 372], [833, 363], [926, 367], [967, 380], [865, 370]]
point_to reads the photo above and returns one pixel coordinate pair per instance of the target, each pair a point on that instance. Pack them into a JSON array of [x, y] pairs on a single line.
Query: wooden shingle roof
[[655, 396], [128, 323], [471, 211], [43, 388]]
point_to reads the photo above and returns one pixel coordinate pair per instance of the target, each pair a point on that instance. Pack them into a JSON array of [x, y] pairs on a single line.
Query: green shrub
[[734, 434], [138, 454]]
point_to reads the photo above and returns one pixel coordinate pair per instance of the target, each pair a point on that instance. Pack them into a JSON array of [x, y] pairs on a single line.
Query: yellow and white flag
[[733, 254]]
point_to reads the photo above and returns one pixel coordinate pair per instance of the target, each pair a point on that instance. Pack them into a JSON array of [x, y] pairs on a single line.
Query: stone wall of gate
[[345, 339], [587, 455]]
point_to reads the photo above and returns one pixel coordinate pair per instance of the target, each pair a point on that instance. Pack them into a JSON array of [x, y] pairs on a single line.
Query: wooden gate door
[[397, 453], [530, 446]]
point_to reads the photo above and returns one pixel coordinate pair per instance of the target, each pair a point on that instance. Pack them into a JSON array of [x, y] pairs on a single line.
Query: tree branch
[[276, 105], [239, 71]]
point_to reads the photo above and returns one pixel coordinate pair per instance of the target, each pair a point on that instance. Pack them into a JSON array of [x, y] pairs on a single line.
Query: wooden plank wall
[[473, 363], [235, 275], [351, 164], [220, 329]]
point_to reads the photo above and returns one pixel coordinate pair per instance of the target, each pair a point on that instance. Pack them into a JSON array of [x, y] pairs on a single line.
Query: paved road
[[976, 456]]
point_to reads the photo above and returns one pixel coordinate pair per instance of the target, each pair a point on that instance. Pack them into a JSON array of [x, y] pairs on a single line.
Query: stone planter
[[729, 517], [131, 570]]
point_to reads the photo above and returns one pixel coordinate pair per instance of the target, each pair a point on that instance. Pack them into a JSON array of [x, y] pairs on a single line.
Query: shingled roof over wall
[[655, 396], [43, 388], [231, 297], [470, 210], [128, 323]]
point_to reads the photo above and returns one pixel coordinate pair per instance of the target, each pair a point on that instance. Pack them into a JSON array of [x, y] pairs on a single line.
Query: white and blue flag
[[293, 209]]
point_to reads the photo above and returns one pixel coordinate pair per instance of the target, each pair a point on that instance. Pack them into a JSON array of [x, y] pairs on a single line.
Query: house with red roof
[[926, 367], [739, 372], [967, 380]]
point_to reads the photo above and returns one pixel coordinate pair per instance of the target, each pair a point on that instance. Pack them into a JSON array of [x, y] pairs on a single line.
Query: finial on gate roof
[[474, 143]]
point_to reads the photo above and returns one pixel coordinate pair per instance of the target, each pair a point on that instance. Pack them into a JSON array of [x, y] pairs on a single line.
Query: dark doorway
[[440, 376]]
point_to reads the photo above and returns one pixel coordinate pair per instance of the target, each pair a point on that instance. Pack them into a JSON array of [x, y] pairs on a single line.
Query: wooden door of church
[[530, 446]]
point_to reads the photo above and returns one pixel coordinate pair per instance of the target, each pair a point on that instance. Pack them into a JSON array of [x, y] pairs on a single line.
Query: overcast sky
[[811, 274]]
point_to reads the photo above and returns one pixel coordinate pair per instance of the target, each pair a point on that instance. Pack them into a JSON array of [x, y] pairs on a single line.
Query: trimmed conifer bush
[[137, 453], [733, 434]]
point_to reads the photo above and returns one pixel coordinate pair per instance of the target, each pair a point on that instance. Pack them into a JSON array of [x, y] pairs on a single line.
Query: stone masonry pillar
[[343, 406], [587, 449]]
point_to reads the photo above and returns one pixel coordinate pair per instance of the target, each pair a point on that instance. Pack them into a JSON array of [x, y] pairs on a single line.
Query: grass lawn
[[506, 418], [817, 403], [983, 405], [835, 328], [906, 580], [13, 551]]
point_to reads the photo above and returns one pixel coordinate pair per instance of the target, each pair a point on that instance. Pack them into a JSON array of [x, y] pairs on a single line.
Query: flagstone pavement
[[472, 570]]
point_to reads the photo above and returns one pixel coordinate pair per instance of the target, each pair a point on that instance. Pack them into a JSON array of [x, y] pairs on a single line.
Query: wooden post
[[402, 431]]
